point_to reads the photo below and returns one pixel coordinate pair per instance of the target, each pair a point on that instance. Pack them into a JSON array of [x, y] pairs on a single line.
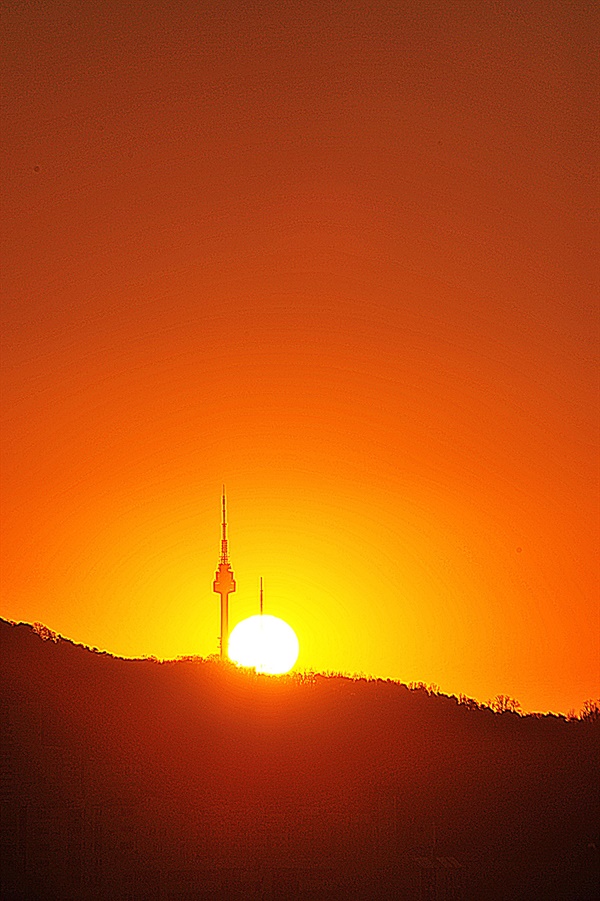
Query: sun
[[264, 642]]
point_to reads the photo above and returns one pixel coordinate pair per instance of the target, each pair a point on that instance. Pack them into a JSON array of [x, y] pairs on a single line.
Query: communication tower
[[224, 583]]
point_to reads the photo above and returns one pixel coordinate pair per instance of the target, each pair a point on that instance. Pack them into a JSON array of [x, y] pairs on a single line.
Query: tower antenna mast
[[261, 596], [224, 542], [224, 583]]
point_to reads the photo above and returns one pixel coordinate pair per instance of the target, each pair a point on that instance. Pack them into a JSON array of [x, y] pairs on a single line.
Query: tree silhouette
[[590, 712], [503, 703]]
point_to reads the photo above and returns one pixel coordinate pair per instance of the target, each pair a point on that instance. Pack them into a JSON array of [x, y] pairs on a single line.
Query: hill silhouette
[[134, 779]]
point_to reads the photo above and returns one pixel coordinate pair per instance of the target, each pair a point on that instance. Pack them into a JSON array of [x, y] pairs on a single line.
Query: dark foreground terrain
[[133, 779]]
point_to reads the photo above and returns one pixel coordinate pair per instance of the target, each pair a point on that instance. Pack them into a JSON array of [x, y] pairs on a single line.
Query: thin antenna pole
[[261, 596]]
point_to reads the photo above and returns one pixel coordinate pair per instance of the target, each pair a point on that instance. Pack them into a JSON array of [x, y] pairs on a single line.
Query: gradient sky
[[342, 257]]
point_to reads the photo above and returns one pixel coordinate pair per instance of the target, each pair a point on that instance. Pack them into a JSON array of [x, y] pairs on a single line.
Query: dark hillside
[[186, 780]]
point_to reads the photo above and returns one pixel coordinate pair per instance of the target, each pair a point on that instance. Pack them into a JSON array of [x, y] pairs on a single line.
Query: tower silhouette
[[224, 583]]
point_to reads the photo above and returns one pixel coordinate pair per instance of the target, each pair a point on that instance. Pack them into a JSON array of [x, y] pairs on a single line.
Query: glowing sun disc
[[264, 642]]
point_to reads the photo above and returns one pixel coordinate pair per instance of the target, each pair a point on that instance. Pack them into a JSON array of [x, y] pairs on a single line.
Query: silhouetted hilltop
[[192, 779]]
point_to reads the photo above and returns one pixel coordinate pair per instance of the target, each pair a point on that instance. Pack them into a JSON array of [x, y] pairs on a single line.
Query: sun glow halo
[[264, 642]]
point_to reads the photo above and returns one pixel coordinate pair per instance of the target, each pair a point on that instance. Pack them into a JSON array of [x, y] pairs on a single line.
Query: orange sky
[[341, 257]]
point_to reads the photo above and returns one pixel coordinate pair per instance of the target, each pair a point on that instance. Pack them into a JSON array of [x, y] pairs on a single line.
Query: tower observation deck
[[224, 583]]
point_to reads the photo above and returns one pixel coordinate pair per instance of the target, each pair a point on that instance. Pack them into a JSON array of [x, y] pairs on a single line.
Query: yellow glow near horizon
[[264, 642]]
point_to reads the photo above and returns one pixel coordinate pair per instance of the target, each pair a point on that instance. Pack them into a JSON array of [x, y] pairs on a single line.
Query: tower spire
[[224, 583], [261, 596], [224, 542]]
